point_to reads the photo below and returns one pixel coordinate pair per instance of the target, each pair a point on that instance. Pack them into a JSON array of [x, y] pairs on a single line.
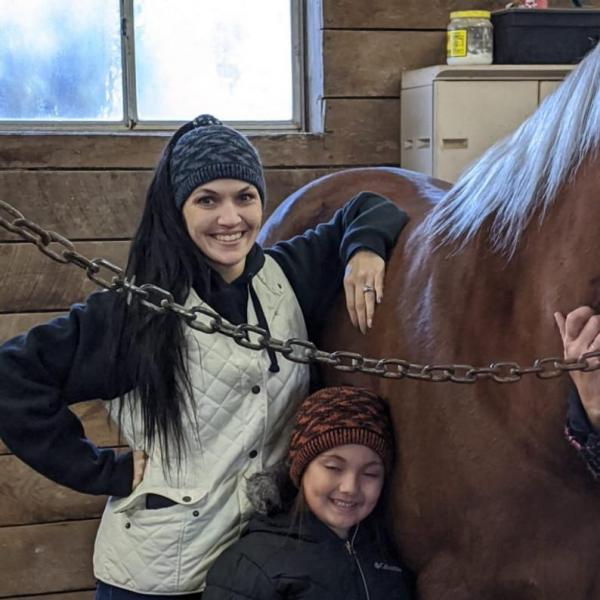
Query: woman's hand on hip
[[363, 286], [139, 466], [580, 333]]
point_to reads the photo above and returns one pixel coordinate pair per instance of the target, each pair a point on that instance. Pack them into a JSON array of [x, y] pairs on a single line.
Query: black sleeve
[[314, 262], [42, 372], [581, 434], [235, 576]]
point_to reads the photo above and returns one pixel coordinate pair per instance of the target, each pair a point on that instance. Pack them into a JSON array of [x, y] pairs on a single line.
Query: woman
[[203, 412], [330, 544]]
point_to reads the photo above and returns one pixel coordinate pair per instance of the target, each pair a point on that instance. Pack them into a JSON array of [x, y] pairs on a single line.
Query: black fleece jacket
[[69, 359], [284, 558]]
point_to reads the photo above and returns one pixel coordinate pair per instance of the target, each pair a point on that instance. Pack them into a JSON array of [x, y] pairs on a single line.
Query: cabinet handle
[[455, 143], [423, 142], [408, 144]]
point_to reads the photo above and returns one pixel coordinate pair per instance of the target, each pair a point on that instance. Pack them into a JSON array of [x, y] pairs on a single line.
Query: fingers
[[587, 334], [379, 277], [365, 306], [576, 320], [579, 330], [363, 287], [559, 318], [360, 305], [350, 298]]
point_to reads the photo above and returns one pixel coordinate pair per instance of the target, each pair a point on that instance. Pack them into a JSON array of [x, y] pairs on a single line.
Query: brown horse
[[489, 500]]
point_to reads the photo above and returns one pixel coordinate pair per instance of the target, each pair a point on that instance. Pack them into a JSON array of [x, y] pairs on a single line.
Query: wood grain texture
[[78, 204], [93, 205], [83, 595], [29, 281], [14, 324], [27, 498], [383, 132], [135, 151], [370, 63], [49, 558], [410, 14], [97, 427]]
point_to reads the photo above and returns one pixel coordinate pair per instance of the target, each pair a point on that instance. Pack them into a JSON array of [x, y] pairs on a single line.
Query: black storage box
[[544, 36]]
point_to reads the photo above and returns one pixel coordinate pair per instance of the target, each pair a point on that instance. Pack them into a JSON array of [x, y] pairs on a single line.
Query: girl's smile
[[341, 486]]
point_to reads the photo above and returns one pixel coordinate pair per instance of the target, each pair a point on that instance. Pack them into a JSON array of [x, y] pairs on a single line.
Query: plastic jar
[[470, 38]]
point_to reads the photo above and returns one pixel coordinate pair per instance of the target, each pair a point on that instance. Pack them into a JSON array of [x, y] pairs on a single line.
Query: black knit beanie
[[337, 416], [213, 151]]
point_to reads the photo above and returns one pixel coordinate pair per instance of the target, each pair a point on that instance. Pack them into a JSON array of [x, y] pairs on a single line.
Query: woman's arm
[[42, 372], [357, 240]]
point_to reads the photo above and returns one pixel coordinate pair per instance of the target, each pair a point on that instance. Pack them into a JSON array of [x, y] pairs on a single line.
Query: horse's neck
[[459, 302], [564, 251]]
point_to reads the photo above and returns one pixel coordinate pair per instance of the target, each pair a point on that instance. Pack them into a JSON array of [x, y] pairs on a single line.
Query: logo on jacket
[[385, 567]]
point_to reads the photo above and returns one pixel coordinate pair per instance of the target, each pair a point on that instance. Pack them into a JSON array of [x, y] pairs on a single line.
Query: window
[[150, 63]]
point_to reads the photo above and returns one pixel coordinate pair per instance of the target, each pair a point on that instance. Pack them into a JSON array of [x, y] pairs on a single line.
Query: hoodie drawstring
[[262, 322]]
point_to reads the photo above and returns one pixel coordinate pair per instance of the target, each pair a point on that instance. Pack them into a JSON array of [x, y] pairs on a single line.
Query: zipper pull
[[348, 545]]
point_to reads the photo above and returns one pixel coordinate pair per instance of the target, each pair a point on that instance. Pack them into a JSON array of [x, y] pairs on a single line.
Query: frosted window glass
[[232, 59], [60, 60]]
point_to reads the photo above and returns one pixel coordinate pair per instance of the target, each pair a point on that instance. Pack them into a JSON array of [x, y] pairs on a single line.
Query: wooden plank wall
[[90, 187]]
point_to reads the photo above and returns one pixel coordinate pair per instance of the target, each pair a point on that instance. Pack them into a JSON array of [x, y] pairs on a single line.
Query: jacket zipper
[[350, 548]]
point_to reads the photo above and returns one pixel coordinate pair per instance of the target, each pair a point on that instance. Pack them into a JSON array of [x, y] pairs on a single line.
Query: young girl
[[204, 412], [331, 544]]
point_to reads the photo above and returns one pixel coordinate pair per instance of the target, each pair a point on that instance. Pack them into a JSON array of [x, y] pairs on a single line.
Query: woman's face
[[223, 218], [342, 486]]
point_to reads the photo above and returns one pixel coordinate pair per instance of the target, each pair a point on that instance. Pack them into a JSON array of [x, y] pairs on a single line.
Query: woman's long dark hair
[[151, 344]]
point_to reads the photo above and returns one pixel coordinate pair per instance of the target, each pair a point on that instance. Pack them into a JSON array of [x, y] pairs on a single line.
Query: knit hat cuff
[[219, 171], [338, 437]]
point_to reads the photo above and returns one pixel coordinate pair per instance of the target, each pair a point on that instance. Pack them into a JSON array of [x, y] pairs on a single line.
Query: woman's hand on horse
[[363, 286], [139, 466], [580, 332]]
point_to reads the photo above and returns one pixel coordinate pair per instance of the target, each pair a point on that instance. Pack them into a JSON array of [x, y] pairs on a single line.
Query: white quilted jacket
[[238, 424]]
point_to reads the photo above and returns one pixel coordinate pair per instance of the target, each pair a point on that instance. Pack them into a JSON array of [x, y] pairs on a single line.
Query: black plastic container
[[544, 36]]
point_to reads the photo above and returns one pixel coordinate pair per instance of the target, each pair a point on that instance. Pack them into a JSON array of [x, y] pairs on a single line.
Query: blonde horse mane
[[521, 175]]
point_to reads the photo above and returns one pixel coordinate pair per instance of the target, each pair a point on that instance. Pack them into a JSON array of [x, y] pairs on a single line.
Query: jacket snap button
[[186, 498], [195, 513], [253, 454], [127, 525], [255, 389]]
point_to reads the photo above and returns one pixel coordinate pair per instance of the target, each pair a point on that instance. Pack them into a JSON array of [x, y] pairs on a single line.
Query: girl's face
[[342, 486], [223, 218]]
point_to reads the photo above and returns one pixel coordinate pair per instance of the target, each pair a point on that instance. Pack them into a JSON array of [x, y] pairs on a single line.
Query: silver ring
[[368, 288]]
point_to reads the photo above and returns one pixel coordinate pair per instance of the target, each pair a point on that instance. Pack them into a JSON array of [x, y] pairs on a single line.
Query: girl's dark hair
[[151, 344]]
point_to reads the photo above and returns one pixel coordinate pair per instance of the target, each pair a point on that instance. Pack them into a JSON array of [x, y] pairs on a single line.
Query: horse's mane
[[521, 174]]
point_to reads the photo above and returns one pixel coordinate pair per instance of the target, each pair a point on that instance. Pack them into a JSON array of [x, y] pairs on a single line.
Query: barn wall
[[90, 187]]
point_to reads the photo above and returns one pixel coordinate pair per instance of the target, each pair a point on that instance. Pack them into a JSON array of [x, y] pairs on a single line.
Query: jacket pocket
[[139, 497]]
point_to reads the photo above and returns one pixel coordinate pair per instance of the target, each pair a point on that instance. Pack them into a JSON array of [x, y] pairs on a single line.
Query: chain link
[[109, 276]]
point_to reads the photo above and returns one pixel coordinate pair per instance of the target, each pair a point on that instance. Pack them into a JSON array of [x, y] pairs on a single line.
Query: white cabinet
[[451, 114]]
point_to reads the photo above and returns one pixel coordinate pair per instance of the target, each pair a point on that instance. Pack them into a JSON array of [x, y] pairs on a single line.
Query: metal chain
[[111, 277]]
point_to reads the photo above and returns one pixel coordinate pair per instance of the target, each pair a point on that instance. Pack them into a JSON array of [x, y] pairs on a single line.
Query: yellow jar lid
[[470, 14]]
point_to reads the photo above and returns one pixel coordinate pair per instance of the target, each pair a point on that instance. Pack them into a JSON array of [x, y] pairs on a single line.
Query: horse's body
[[489, 500]]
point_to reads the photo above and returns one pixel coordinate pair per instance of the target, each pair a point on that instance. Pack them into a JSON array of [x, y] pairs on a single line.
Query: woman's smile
[[223, 218]]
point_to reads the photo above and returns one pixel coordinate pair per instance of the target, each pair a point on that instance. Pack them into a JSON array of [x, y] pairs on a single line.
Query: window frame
[[130, 121]]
